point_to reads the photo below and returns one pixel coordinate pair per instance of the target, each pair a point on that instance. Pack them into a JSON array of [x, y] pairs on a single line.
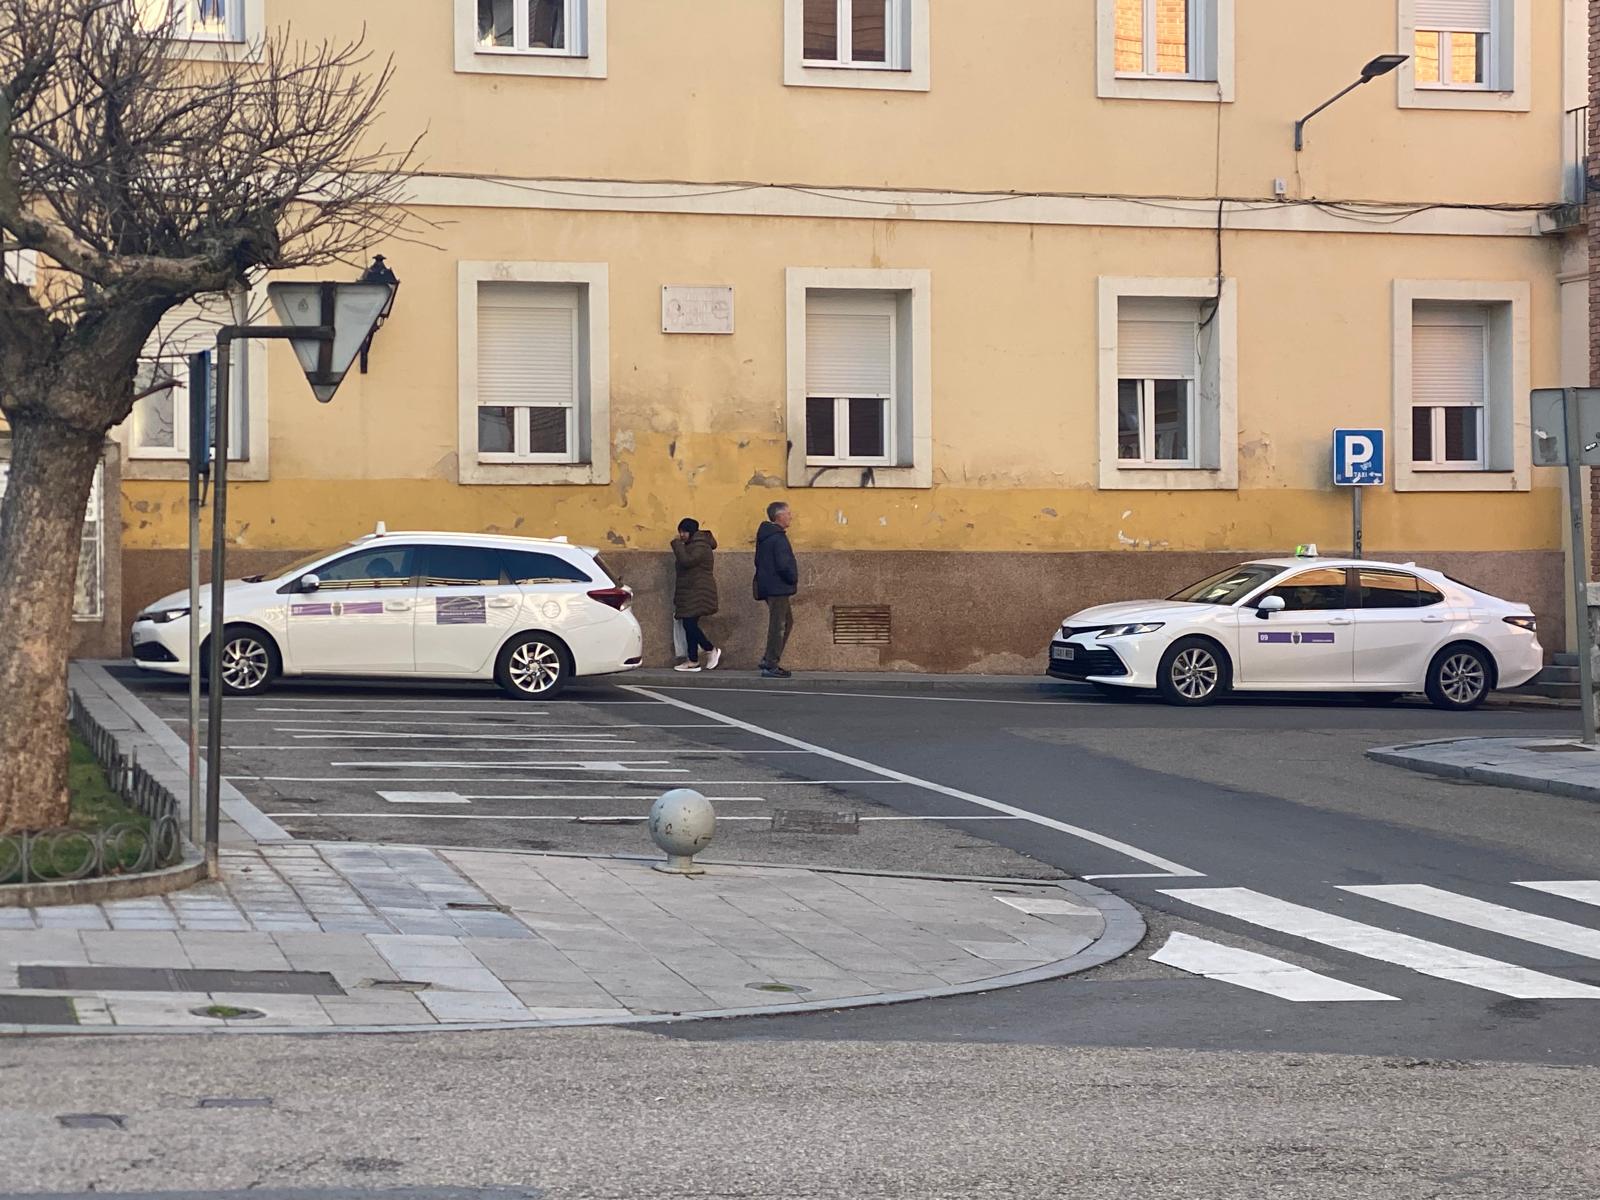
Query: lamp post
[[326, 324], [1381, 65]]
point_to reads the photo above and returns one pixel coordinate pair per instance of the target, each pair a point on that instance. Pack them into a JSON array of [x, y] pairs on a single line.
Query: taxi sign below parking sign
[[1358, 457]]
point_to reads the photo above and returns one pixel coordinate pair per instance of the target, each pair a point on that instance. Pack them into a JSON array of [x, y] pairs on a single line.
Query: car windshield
[[1228, 587], [300, 564]]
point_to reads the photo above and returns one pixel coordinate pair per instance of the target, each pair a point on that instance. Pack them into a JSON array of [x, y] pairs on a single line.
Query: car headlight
[[1529, 623], [1129, 630], [162, 616]]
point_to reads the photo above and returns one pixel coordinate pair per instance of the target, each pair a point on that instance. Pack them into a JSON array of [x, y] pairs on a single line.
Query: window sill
[[1470, 89], [1123, 477], [514, 473], [1410, 478], [859, 475], [1125, 465], [1165, 87], [866, 77], [811, 64], [473, 60], [507, 52], [142, 469]]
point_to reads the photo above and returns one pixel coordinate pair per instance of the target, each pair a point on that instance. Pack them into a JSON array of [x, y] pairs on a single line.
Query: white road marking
[[1585, 891], [1480, 914], [502, 711], [1040, 906], [601, 748], [887, 773], [1131, 875], [659, 765], [479, 779], [1426, 958], [495, 796], [424, 797], [670, 687], [1258, 972], [457, 816], [489, 737]]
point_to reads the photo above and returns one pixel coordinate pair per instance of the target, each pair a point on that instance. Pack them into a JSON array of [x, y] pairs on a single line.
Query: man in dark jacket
[[777, 579]]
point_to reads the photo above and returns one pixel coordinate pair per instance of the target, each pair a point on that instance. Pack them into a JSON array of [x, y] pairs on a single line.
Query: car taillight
[[1528, 623], [618, 598]]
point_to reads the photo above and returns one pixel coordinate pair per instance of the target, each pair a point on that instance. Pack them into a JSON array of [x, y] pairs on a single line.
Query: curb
[[1124, 930], [1397, 756], [190, 871]]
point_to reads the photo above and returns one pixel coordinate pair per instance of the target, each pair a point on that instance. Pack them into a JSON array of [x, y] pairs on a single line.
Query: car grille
[[153, 652], [1089, 661], [1068, 631]]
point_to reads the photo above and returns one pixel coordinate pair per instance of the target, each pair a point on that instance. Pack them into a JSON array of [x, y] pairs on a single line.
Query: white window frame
[[589, 429], [1436, 460], [241, 40], [1509, 69], [841, 457], [574, 19], [521, 430], [1215, 467], [1197, 52], [895, 49], [908, 67], [585, 58], [909, 435], [1211, 57], [21, 266], [1147, 459], [1491, 68], [1505, 444]]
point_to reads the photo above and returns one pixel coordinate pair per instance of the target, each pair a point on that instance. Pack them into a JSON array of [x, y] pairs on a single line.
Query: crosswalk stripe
[[1496, 918], [1585, 891], [1424, 957], [1258, 972]]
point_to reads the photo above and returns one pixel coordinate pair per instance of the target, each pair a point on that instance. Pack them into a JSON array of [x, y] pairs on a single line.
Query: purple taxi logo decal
[[1295, 639], [338, 608], [460, 610]]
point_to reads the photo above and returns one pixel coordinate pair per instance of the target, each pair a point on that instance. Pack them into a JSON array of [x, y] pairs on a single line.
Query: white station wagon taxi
[[530, 613], [1306, 624]]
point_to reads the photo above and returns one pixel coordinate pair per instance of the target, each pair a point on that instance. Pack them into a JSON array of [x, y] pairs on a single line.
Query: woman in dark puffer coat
[[695, 595]]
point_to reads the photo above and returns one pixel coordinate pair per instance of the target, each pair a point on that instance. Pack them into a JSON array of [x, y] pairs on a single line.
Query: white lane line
[[1131, 875], [887, 773], [1585, 891], [312, 721], [616, 748], [504, 711], [1426, 958], [1480, 914], [480, 780], [424, 797], [456, 816], [1258, 972], [658, 765], [496, 796], [487, 737], [669, 687]]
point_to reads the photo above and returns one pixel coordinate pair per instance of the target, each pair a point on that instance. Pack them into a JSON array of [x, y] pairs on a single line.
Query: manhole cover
[[161, 979], [793, 989], [92, 1121], [234, 1102], [37, 1010], [228, 1012], [464, 906], [395, 985], [809, 820]]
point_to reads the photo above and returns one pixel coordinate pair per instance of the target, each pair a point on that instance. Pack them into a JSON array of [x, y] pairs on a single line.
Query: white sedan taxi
[[529, 613], [1306, 624]]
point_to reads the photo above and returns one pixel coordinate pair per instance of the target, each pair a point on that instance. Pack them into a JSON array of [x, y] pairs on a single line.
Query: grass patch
[[95, 805], [102, 835]]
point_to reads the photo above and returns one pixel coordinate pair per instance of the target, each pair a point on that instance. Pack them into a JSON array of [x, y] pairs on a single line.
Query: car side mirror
[[309, 583], [1269, 605]]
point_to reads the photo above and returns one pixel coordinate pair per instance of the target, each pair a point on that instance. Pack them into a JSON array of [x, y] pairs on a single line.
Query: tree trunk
[[41, 527]]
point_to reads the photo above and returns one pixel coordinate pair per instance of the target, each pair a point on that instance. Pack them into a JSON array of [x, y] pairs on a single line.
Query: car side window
[[384, 567], [461, 566], [529, 566], [1388, 589], [1321, 588], [1428, 594]]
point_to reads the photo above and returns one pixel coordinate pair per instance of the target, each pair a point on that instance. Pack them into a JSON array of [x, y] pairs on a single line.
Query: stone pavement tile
[[472, 1006], [718, 968], [71, 916], [574, 1014], [811, 966], [524, 961], [454, 979], [828, 989], [167, 1010], [63, 947], [350, 966], [749, 998], [1004, 952], [17, 918], [643, 983], [889, 982], [134, 948], [92, 1010], [543, 994], [355, 925], [279, 1010], [1056, 946], [233, 951], [492, 925], [971, 970], [414, 951], [437, 925], [376, 1009]]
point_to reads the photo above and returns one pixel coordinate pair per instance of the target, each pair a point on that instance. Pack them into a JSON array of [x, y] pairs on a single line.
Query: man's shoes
[[776, 673], [713, 658], [687, 667]]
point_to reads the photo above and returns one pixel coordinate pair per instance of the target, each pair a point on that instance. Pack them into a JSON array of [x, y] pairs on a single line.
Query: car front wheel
[[1193, 671], [250, 661], [533, 667], [1458, 678]]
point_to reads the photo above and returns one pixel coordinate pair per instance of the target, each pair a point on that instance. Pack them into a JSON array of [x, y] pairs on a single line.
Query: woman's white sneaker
[[713, 658], [687, 666]]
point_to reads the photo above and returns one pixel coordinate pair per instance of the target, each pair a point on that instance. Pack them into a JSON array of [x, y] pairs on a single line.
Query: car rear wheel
[[1194, 671], [250, 661], [533, 667], [1458, 678]]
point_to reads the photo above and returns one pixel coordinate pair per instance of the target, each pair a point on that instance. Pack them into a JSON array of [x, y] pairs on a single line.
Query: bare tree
[[141, 179]]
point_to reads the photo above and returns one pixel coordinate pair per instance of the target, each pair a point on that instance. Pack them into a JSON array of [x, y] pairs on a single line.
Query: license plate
[[1063, 653]]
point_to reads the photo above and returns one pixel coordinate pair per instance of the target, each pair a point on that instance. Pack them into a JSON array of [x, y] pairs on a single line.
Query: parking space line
[[789, 691], [370, 779], [458, 816], [607, 747], [498, 737], [888, 773]]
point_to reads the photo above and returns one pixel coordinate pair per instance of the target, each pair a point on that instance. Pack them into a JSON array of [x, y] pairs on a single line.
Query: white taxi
[[530, 613], [1306, 624]]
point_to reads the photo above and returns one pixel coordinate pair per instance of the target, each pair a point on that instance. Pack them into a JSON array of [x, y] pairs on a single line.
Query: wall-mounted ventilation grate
[[861, 625]]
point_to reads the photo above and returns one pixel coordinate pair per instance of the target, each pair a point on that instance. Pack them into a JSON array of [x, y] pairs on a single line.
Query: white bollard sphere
[[682, 823]]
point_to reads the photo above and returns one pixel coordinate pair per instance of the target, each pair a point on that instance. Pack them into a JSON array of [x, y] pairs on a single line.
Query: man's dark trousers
[[780, 620]]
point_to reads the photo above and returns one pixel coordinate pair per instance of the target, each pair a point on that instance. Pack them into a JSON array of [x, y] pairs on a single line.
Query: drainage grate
[[395, 985], [159, 979], [473, 906], [92, 1121], [1559, 748], [810, 820], [861, 625], [37, 1010], [234, 1102]]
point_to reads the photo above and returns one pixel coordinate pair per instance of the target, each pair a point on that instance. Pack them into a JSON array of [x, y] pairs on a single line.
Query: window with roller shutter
[[1157, 366], [1454, 44], [1449, 386], [529, 355], [851, 353]]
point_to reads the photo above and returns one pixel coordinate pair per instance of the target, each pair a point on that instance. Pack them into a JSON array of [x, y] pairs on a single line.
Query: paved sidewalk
[[395, 937], [1563, 766]]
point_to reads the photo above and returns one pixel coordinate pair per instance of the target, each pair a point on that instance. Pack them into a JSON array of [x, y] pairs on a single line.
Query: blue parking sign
[[1358, 457]]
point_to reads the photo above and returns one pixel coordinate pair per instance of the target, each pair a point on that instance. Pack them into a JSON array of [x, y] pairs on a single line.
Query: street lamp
[[379, 272], [1381, 65]]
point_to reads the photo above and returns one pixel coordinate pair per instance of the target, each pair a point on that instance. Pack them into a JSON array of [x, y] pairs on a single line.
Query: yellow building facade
[[1019, 311]]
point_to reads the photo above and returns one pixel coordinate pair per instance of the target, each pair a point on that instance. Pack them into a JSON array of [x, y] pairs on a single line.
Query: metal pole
[[1355, 521], [219, 531], [196, 812], [1580, 562]]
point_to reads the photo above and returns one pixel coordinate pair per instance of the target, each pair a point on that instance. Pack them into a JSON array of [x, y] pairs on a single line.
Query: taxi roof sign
[[1306, 550]]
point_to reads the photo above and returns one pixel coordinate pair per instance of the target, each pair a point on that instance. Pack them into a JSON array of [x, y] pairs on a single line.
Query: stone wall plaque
[[696, 309]]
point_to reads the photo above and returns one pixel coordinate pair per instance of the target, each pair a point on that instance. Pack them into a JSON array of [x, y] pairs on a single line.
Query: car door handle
[[1340, 621], [397, 606], [503, 602], [1433, 619]]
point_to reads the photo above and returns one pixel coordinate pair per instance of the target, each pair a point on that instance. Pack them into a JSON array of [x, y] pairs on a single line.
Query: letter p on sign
[[1358, 457]]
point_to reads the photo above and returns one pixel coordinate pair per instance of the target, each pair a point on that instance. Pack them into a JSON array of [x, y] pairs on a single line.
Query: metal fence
[[119, 849]]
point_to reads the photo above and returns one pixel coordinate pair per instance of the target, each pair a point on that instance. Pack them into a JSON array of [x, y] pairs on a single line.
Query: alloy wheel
[[534, 667], [1195, 673], [246, 664], [1462, 678]]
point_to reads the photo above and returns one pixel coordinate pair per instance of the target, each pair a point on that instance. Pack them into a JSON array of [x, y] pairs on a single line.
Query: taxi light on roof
[[1306, 550]]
